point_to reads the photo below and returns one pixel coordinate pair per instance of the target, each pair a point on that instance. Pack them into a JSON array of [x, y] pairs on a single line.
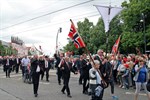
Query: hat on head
[[126, 65]]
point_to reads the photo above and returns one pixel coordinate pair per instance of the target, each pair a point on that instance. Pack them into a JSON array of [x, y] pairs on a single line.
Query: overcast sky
[[42, 31]]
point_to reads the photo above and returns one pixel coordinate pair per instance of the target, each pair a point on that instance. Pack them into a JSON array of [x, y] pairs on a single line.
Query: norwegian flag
[[116, 45], [74, 35]]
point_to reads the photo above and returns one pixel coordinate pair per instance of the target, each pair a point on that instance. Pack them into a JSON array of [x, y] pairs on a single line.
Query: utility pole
[[143, 22], [59, 31]]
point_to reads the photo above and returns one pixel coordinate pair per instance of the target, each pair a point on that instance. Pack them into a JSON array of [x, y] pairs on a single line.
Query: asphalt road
[[14, 89]]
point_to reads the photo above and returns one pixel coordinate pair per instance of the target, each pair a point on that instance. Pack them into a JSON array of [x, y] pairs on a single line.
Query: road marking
[[45, 83], [132, 93]]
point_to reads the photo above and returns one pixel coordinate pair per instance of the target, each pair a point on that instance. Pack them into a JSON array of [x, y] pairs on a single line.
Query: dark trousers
[[35, 80], [23, 71], [85, 85], [111, 83], [17, 68], [81, 77], [7, 71], [115, 72], [59, 75], [42, 74], [66, 86], [13, 68], [92, 88], [47, 74]]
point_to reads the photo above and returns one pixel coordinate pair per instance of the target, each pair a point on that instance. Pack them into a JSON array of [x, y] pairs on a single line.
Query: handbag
[[98, 91], [38, 69]]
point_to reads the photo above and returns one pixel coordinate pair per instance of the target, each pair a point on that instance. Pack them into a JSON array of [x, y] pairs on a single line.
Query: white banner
[[108, 13]]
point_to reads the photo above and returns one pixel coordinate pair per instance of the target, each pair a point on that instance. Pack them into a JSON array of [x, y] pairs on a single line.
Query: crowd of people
[[96, 72]]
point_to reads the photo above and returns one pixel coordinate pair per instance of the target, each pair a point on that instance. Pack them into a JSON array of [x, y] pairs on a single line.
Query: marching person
[[80, 70], [66, 67], [7, 65], [17, 63], [95, 81], [35, 70], [25, 62], [47, 67], [85, 68], [42, 67], [100, 57], [59, 72]]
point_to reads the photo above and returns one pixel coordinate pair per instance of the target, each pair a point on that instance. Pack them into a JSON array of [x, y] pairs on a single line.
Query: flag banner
[[108, 13], [116, 45], [74, 35]]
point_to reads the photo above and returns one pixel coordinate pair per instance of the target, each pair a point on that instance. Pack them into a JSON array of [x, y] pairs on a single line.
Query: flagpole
[[89, 53]]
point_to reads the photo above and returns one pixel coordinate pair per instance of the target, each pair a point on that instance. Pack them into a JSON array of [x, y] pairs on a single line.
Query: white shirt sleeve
[[136, 67]]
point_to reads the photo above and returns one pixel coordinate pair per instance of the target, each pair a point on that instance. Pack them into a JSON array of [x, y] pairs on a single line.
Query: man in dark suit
[[66, 67], [17, 63], [7, 65], [47, 67], [35, 74], [59, 72], [42, 66], [85, 71], [4, 63]]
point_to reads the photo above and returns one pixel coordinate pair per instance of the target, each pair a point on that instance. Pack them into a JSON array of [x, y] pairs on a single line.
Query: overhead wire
[[55, 23], [48, 25], [51, 24], [31, 12], [47, 14]]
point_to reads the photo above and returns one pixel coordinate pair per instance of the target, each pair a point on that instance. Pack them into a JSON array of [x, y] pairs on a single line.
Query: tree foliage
[[127, 24]]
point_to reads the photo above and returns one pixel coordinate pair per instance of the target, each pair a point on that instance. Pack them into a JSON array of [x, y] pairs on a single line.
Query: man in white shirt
[[25, 62], [47, 67]]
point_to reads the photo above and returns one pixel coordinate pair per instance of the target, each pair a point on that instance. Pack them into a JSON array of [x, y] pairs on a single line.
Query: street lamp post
[[143, 21], [59, 31]]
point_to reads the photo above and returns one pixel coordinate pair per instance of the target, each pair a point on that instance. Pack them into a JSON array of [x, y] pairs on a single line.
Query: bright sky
[[16, 15]]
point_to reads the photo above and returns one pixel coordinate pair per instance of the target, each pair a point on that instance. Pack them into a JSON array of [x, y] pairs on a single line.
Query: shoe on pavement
[[63, 92], [35, 95], [69, 96]]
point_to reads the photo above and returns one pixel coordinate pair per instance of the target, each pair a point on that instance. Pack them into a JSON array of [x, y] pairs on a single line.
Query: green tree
[[127, 24], [133, 31]]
